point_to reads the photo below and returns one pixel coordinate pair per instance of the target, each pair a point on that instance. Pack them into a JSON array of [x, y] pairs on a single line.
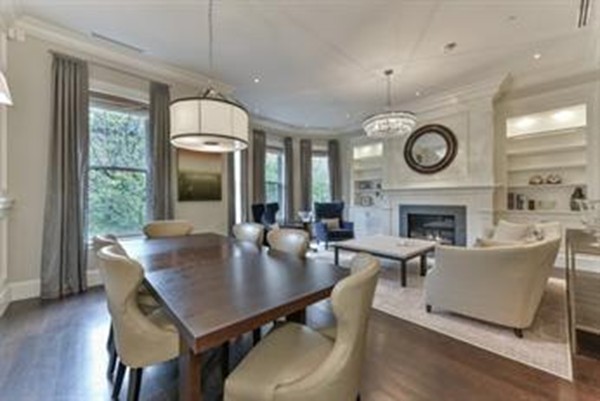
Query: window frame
[[100, 100]]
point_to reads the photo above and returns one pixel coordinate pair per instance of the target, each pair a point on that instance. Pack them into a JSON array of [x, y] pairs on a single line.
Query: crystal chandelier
[[390, 123], [211, 122]]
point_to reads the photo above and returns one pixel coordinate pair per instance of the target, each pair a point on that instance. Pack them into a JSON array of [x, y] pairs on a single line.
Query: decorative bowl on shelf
[[590, 217], [553, 179], [536, 180]]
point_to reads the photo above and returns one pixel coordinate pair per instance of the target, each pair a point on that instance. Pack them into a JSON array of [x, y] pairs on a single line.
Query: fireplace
[[447, 224]]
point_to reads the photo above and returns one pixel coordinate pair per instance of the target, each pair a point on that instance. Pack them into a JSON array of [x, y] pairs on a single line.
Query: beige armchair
[[296, 363], [141, 340], [167, 228], [502, 285], [289, 240], [251, 232]]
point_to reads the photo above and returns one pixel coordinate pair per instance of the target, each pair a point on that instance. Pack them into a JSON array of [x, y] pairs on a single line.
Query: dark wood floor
[[55, 352]]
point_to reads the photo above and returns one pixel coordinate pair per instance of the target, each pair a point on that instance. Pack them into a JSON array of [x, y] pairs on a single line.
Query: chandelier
[[211, 122], [390, 123]]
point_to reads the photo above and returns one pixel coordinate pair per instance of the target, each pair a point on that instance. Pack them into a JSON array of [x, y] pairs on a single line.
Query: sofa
[[502, 282], [329, 225]]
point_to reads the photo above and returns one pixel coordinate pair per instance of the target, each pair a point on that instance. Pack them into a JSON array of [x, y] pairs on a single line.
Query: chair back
[[251, 232], [167, 228], [338, 377], [138, 340], [290, 241], [329, 210]]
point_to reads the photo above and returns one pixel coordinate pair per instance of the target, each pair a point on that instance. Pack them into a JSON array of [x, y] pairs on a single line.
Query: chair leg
[[256, 335], [428, 308], [358, 397], [135, 383], [118, 381], [225, 360], [112, 362], [518, 333], [111, 338]]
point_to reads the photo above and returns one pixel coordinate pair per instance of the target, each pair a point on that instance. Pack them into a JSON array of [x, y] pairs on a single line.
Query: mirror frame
[[446, 134]]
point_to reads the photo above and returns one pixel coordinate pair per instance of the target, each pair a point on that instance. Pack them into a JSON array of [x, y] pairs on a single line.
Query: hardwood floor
[[55, 351]]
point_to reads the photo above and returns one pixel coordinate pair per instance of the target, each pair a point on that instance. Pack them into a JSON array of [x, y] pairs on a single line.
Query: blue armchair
[[327, 234]]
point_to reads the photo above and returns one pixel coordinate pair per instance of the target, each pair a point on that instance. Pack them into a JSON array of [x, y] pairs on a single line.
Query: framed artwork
[[199, 176]]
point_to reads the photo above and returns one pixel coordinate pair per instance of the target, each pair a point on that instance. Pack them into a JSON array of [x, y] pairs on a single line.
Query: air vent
[[116, 42], [585, 13]]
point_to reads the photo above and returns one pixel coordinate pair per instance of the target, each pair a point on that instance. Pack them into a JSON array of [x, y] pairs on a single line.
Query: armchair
[[329, 223]]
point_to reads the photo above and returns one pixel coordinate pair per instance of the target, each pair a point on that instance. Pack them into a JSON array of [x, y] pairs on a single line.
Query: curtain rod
[[104, 65]]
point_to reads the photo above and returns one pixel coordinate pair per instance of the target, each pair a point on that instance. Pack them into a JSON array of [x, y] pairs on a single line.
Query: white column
[[5, 201]]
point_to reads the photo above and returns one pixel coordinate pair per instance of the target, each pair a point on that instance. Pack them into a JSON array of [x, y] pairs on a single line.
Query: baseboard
[[28, 289], [4, 298]]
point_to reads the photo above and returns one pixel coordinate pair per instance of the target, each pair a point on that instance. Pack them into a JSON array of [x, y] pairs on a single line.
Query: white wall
[[29, 68]]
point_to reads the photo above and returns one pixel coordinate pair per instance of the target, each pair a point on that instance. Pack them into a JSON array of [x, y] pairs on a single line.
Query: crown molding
[[128, 61], [261, 122]]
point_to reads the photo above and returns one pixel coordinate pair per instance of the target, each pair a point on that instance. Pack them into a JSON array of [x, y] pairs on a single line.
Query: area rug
[[544, 346]]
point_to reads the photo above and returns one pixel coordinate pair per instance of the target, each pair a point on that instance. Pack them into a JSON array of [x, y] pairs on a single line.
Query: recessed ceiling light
[[417, 93], [537, 56], [512, 18], [347, 115], [256, 80]]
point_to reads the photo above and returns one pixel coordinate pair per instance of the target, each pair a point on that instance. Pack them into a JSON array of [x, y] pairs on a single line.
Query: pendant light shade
[[209, 124]]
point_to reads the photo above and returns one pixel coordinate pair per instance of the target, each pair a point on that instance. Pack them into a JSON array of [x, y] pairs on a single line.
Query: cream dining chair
[[296, 363], [167, 228], [251, 232], [141, 340], [289, 240], [145, 300]]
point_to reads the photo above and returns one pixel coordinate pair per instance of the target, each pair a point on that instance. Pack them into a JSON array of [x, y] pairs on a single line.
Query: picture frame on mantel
[[430, 149], [199, 176]]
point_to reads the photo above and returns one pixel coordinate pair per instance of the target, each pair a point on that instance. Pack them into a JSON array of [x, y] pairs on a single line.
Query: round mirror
[[430, 149]]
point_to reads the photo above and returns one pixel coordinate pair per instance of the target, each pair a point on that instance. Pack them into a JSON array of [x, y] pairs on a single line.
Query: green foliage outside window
[[274, 185], [320, 179], [117, 193]]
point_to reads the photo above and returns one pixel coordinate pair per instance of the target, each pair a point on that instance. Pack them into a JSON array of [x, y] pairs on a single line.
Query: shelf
[[363, 169], [545, 134], [548, 167], [546, 150], [547, 186], [552, 212]]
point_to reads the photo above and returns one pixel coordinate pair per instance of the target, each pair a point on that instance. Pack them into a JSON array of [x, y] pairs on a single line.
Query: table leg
[[190, 373], [424, 264], [297, 317], [336, 258], [403, 273]]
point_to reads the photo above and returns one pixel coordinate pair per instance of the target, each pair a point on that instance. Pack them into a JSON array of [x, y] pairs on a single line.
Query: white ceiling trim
[[143, 66]]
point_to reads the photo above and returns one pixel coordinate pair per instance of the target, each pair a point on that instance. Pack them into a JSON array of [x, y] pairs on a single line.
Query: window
[[118, 187], [321, 191], [274, 178]]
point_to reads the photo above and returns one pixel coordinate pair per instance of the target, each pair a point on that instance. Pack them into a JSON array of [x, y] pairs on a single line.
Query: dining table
[[215, 288]]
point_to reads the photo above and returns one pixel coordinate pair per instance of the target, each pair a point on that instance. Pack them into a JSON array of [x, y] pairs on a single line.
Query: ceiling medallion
[[211, 122], [390, 123]]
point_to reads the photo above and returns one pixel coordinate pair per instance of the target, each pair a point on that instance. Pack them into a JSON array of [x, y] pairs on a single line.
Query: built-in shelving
[[550, 167]]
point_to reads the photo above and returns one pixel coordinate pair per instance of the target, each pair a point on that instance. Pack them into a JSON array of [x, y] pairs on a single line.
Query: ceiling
[[320, 62]]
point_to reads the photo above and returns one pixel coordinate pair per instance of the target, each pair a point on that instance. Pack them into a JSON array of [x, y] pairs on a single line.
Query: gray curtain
[[305, 174], [161, 207], [288, 155], [335, 169], [64, 245], [259, 151], [245, 187]]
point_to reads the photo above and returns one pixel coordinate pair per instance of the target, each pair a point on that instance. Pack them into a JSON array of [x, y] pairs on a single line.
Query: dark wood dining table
[[216, 288]]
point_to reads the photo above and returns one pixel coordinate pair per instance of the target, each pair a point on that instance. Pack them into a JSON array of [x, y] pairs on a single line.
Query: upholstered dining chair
[[141, 340], [289, 240], [296, 363], [167, 228], [251, 232]]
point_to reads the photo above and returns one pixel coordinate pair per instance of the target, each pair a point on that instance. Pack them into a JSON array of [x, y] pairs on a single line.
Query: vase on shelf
[[576, 197]]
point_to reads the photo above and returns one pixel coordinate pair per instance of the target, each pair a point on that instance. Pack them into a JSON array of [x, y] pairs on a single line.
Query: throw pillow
[[549, 230], [490, 243], [507, 231], [331, 224]]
